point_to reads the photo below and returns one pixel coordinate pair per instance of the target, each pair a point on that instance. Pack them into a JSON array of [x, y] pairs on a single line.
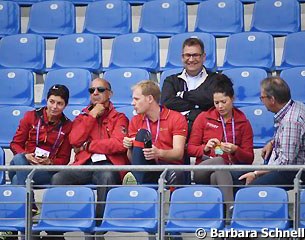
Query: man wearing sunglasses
[[97, 135]]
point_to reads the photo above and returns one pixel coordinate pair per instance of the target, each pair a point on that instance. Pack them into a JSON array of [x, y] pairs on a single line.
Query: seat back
[[135, 50], [72, 111], [163, 18], [220, 17], [302, 209], [173, 59], [168, 73], [23, 51], [2, 163], [10, 117], [121, 80], [81, 50], [52, 19], [262, 124], [295, 78], [12, 208], [194, 206], [68, 207], [260, 207], [276, 17], [294, 51], [9, 18], [16, 87], [246, 85], [249, 49], [127, 110], [108, 18], [76, 80], [134, 206]]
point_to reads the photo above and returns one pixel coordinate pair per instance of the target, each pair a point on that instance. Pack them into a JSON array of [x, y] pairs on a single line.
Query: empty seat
[[302, 209], [23, 51], [80, 50], [67, 209], [173, 59], [2, 163], [127, 110], [108, 18], [121, 81], [262, 124], [16, 87], [10, 117], [294, 51], [81, 2], [26, 2], [9, 18], [12, 208], [246, 84], [76, 80], [168, 73], [260, 207], [52, 19], [277, 17], [195, 207], [249, 49], [220, 17], [163, 18], [72, 111], [295, 78], [135, 50], [130, 209]]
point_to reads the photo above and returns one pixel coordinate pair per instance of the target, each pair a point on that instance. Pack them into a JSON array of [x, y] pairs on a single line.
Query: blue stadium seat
[[76, 80], [12, 208], [294, 51], [9, 18], [10, 117], [135, 50], [67, 209], [16, 87], [2, 163], [262, 124], [276, 17], [72, 111], [23, 51], [130, 209], [246, 85], [108, 19], [295, 78], [302, 209], [249, 49], [121, 80], [163, 18], [167, 73], [220, 17], [80, 2], [173, 59], [260, 207], [137, 2], [52, 19], [81, 50], [195, 207], [127, 110], [26, 2]]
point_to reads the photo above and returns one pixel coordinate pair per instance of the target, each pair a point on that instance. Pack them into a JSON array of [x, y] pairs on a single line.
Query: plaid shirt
[[289, 138]]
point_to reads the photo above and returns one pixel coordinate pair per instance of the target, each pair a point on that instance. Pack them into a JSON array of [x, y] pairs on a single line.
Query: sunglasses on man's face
[[99, 89]]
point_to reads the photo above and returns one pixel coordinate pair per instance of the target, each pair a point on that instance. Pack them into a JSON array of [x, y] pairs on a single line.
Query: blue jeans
[[19, 177]]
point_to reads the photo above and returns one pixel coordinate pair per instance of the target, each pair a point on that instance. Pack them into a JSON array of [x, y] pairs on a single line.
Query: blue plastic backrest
[[9, 18]]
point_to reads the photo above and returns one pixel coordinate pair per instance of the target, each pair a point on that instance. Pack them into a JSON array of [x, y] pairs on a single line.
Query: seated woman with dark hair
[[222, 135]]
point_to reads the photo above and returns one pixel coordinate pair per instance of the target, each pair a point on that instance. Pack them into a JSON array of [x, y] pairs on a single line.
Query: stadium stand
[[9, 18], [163, 18], [108, 19], [52, 19], [72, 111], [16, 87], [220, 17], [128, 111], [268, 17], [2, 163], [23, 51]]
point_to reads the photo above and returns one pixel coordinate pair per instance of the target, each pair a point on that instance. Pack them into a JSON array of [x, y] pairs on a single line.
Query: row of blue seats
[[141, 50], [163, 18], [136, 209]]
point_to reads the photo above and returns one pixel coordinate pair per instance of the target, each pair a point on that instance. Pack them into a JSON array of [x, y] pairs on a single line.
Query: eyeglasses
[[99, 89], [194, 55], [262, 97]]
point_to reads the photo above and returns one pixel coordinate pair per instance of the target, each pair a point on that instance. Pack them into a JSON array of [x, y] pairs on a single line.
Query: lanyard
[[37, 135], [158, 127], [224, 129]]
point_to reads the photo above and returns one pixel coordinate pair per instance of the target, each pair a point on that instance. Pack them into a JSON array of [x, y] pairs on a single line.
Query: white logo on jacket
[[212, 125]]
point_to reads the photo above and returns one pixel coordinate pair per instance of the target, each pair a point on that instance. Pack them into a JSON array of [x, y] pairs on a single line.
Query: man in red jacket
[[97, 135]]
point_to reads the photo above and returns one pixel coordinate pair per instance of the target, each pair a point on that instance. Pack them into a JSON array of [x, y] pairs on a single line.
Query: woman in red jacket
[[222, 135]]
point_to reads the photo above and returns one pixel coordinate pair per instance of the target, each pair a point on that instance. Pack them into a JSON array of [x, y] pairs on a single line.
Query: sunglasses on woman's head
[[99, 89]]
